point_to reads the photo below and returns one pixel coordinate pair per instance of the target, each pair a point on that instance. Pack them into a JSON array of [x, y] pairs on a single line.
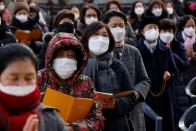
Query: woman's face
[[139, 4], [114, 7], [101, 32], [190, 23], [156, 6], [75, 10], [98, 43], [91, 13], [66, 54], [22, 12], [116, 22], [168, 5], [19, 73]]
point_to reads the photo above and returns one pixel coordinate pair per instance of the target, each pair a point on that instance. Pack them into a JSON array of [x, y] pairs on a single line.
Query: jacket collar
[[160, 46]]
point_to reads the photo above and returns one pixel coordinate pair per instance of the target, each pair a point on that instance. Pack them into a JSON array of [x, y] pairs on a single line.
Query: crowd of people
[[151, 50]]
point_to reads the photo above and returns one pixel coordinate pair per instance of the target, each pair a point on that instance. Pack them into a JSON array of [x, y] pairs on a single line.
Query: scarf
[[188, 41], [101, 73], [14, 110], [150, 46]]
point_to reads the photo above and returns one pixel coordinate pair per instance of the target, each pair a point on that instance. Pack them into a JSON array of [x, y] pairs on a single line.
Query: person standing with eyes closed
[[20, 107]]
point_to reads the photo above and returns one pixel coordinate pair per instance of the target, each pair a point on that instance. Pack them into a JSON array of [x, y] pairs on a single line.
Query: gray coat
[[50, 120], [132, 59], [130, 37]]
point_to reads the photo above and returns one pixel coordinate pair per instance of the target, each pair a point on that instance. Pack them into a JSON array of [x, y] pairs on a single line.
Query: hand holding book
[[108, 99]]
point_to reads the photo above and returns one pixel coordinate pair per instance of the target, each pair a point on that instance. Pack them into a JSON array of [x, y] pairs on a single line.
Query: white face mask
[[22, 18], [98, 46], [118, 33], [2, 7], [157, 12], [89, 20], [151, 35], [190, 31], [17, 90], [32, 4], [139, 10], [166, 37], [64, 67], [170, 10], [76, 16]]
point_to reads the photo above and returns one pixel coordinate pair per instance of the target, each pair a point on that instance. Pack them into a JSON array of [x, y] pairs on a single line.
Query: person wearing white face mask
[[161, 68], [19, 93], [132, 59], [109, 76], [156, 9], [21, 11], [26, 21], [2, 6], [89, 15], [76, 12], [181, 59], [136, 16], [170, 7], [186, 34], [116, 5], [20, 19], [65, 60]]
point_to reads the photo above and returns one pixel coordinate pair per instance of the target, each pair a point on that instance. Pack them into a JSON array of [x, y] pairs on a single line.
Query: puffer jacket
[[77, 86]]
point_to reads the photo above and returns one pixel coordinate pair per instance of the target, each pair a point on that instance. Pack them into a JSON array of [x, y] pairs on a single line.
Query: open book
[[105, 97], [71, 108], [27, 35]]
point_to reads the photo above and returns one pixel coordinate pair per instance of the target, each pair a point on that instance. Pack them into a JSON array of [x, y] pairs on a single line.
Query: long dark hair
[[183, 20], [85, 8], [133, 15], [93, 28], [108, 4]]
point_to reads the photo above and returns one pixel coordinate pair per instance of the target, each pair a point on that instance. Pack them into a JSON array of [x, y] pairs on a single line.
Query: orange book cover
[[71, 108], [108, 96], [26, 35]]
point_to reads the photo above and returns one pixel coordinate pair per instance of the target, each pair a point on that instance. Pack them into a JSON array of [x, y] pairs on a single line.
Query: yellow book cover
[[71, 108]]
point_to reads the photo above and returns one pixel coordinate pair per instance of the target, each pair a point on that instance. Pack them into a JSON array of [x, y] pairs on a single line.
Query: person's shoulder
[[131, 48]]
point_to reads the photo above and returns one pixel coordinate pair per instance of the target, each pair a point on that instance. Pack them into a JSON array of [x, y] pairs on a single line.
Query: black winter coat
[[6, 37], [156, 64], [191, 70], [180, 98]]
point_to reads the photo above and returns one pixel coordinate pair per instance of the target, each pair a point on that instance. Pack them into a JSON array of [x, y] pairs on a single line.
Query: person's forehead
[[66, 20], [151, 25], [22, 11], [116, 19]]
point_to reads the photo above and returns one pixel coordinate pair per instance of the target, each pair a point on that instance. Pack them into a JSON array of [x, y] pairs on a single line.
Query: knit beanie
[[149, 20], [63, 14], [20, 5]]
